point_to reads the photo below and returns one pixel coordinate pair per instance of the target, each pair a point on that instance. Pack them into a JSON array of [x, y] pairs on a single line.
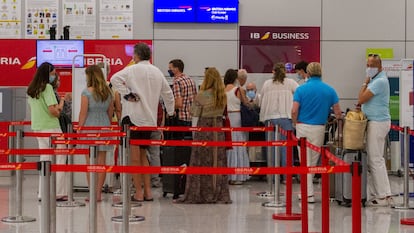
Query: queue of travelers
[[142, 96]]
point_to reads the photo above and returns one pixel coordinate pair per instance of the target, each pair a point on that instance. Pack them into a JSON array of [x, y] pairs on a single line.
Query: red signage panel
[[261, 47]]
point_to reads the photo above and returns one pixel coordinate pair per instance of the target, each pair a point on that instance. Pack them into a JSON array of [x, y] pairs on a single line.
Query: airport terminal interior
[[235, 34]]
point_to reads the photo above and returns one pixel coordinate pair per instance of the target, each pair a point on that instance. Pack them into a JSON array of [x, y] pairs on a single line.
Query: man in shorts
[[140, 86]]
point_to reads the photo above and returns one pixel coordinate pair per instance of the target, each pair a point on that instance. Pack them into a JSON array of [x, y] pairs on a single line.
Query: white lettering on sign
[[9, 61], [95, 60]]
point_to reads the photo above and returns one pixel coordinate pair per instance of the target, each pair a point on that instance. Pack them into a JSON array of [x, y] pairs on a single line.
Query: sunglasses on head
[[373, 55]]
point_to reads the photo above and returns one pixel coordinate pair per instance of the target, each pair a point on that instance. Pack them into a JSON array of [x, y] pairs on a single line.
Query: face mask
[[171, 73], [251, 94], [371, 71], [299, 77], [52, 78]]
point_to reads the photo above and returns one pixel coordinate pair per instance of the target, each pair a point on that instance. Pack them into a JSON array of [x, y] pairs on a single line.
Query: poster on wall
[[40, 16], [81, 17], [261, 47], [116, 19], [18, 61], [11, 19]]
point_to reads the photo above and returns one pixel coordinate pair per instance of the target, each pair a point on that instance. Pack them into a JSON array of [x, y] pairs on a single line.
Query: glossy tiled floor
[[245, 215]]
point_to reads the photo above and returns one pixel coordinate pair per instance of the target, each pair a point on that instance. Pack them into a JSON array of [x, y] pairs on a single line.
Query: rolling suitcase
[[343, 181], [174, 156]]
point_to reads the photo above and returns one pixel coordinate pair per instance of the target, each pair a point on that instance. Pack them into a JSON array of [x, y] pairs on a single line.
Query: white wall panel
[[280, 12], [410, 50], [196, 55], [343, 64], [410, 20], [191, 31], [143, 26], [363, 20]]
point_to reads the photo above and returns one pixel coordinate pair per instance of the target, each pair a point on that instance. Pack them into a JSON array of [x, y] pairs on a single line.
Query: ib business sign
[[260, 47]]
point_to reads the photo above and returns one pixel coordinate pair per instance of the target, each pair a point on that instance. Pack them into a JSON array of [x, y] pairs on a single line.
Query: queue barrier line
[[201, 129], [8, 134], [200, 170], [18, 166], [210, 143], [75, 135], [44, 151], [85, 142], [7, 123]]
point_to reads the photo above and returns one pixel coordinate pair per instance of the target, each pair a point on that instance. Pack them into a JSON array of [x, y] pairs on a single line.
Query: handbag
[[226, 123], [354, 130]]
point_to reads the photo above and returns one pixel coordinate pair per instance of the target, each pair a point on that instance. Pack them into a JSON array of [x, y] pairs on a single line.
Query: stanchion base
[[70, 204], [18, 219], [273, 204], [287, 217], [265, 194], [132, 204], [407, 221], [132, 218], [402, 207]]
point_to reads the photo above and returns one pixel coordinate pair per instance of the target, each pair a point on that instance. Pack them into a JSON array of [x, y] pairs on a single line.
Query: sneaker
[[377, 202], [311, 199]]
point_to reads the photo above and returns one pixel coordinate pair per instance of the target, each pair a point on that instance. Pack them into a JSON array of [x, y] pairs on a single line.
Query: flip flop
[[136, 200]]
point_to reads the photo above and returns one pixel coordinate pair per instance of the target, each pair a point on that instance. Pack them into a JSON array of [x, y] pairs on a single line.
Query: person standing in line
[[97, 109], [312, 103], [236, 157], [45, 111], [184, 89], [374, 97], [209, 106], [154, 150], [276, 102], [242, 79], [141, 86], [300, 69]]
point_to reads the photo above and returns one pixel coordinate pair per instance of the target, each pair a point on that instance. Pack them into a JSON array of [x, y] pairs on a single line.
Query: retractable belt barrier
[[340, 166]]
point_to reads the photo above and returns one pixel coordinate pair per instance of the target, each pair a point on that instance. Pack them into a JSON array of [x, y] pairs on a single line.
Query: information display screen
[[218, 11], [177, 11], [60, 53], [196, 11]]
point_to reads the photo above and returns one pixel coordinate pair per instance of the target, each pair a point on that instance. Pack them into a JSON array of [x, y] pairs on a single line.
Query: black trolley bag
[[174, 156], [343, 181]]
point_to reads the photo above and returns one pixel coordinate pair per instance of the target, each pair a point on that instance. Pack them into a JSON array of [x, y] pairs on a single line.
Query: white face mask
[[371, 71]]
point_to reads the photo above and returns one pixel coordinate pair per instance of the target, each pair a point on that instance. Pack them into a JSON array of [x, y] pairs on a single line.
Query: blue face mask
[[170, 72], [251, 94], [52, 78]]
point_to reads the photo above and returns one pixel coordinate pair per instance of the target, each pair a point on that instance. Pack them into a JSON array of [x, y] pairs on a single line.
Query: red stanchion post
[[304, 185], [288, 215], [289, 156], [325, 192], [356, 170]]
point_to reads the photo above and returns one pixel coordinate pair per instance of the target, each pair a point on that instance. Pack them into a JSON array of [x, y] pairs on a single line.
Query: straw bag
[[354, 130]]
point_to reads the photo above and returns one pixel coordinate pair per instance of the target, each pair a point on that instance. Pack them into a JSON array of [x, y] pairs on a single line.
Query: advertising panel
[[18, 59], [261, 47]]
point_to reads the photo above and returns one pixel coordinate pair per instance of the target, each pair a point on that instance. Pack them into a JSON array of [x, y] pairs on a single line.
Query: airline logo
[[280, 36]]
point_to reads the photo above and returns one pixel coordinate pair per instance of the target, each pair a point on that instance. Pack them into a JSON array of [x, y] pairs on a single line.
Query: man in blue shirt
[[374, 97], [312, 102]]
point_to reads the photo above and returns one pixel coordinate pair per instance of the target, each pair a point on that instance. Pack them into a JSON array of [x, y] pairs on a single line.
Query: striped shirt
[[184, 87]]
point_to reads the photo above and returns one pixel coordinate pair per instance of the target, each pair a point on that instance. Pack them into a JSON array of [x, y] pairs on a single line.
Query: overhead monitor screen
[[60, 53], [176, 11], [196, 11], [217, 11]]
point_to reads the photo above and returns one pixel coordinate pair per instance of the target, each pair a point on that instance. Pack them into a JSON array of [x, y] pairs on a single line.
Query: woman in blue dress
[[96, 109]]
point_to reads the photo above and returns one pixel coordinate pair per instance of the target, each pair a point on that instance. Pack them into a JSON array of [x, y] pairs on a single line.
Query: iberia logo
[[266, 36], [29, 64]]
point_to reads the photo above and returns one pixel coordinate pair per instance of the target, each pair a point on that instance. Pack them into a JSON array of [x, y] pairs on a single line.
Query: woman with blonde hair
[[209, 106], [96, 109], [277, 100]]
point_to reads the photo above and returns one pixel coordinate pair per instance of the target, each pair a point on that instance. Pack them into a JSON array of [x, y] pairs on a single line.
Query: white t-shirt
[[149, 83], [277, 99]]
